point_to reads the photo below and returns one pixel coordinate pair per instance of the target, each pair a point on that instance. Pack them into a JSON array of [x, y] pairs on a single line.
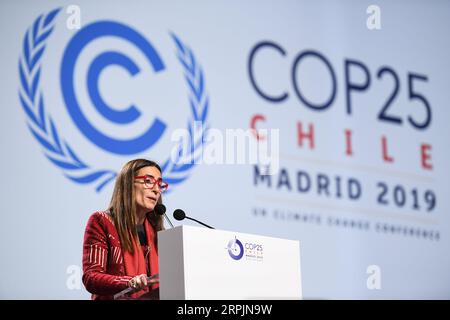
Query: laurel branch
[[41, 125], [176, 170]]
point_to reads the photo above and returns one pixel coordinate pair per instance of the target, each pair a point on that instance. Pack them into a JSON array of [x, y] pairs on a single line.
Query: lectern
[[211, 264]]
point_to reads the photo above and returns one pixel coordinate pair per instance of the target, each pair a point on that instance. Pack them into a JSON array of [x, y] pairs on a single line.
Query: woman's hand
[[138, 282]]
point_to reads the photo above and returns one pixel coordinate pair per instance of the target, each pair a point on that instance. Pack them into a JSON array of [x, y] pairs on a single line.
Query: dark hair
[[123, 204]]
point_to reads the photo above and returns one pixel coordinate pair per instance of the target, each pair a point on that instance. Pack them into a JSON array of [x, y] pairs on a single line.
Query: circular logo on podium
[[235, 249]]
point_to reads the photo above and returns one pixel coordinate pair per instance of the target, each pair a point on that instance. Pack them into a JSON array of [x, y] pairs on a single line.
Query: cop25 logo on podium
[[44, 129]]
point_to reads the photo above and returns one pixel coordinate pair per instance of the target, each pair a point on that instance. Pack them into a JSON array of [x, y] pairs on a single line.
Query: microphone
[[179, 215], [160, 209]]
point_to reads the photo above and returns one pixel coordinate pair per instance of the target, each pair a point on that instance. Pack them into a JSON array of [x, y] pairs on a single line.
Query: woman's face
[[146, 199]]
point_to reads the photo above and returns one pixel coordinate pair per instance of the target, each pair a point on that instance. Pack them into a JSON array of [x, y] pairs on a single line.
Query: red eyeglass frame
[[158, 182]]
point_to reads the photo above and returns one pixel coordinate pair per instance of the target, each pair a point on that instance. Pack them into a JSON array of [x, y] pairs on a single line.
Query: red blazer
[[104, 272]]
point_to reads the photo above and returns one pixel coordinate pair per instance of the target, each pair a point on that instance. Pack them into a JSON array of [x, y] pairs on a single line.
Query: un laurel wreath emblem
[[43, 128]]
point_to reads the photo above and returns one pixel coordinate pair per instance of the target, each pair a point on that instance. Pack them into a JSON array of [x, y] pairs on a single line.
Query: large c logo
[[103, 60]]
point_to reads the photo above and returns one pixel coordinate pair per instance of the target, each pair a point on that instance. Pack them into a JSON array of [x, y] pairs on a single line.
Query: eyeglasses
[[150, 181]]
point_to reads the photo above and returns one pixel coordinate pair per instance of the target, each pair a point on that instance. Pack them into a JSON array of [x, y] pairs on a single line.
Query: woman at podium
[[120, 253]]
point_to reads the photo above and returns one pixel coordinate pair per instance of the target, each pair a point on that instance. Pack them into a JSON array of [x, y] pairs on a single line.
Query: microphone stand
[[204, 224], [167, 219]]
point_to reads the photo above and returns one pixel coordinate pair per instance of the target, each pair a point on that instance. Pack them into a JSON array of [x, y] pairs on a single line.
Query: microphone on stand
[[160, 209], [179, 215]]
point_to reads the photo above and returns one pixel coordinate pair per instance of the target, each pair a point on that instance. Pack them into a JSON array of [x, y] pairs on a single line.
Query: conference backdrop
[[319, 121]]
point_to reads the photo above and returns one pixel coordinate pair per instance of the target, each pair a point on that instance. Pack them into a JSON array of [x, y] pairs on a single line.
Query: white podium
[[209, 264]]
